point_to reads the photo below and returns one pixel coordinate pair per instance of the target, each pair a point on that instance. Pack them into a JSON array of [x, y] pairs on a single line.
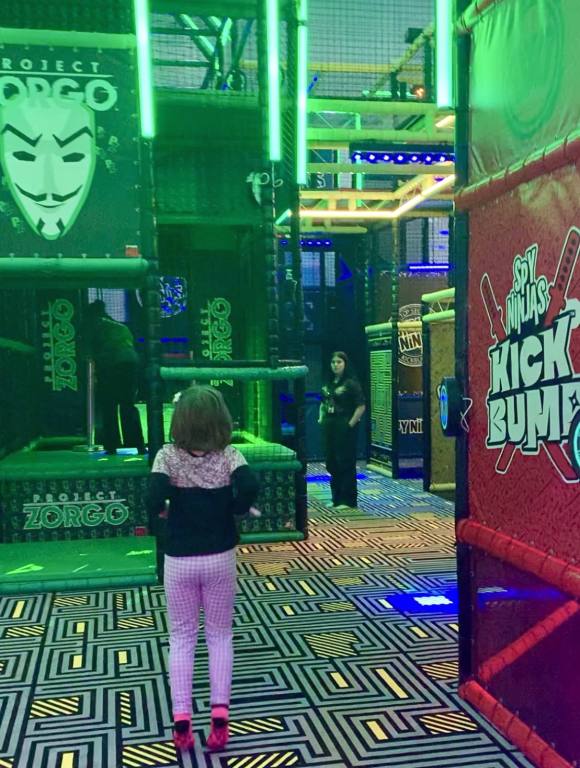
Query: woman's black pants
[[341, 442]]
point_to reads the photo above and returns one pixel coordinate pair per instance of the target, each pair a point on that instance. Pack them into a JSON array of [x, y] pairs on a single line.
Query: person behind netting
[[208, 485], [341, 410], [111, 345]]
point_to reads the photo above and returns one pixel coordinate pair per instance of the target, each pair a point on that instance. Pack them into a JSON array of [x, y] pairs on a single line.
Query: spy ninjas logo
[[534, 390]]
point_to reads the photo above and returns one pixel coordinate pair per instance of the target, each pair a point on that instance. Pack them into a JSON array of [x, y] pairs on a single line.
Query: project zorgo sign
[[68, 130], [59, 345], [534, 391], [50, 512]]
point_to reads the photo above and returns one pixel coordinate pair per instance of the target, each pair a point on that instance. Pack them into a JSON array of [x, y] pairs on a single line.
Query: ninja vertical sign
[[69, 151], [534, 392]]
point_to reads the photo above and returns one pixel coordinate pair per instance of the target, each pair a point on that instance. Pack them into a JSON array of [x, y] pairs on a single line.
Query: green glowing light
[[145, 68], [282, 217], [273, 47], [302, 96], [444, 52]]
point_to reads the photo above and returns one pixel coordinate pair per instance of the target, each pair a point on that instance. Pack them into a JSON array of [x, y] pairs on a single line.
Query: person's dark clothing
[[340, 402], [111, 346], [116, 391], [341, 441]]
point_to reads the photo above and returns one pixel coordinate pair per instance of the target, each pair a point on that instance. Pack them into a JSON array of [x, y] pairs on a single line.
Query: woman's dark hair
[[201, 420], [349, 372]]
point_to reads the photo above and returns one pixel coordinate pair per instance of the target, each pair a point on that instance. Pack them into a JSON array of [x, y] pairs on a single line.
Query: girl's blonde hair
[[201, 420]]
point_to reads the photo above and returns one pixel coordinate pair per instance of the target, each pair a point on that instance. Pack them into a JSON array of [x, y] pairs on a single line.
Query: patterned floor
[[345, 656]]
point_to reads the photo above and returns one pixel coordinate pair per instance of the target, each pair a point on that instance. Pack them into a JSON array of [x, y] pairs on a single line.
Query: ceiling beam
[[348, 136], [364, 106], [382, 169]]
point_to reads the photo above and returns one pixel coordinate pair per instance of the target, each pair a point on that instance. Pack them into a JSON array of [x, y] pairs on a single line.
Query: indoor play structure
[[201, 282], [187, 163], [518, 357], [396, 354]]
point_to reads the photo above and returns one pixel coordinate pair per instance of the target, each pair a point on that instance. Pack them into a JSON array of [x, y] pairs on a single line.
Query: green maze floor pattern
[[333, 668]]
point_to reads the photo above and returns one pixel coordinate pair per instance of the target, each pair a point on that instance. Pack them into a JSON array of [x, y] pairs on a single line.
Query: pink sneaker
[[182, 735], [218, 735]]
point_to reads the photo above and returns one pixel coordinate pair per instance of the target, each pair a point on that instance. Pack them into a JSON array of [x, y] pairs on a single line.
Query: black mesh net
[[20, 389], [77, 15], [361, 48], [205, 53]]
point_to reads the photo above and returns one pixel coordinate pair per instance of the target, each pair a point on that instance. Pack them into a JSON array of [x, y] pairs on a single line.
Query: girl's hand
[[255, 512]]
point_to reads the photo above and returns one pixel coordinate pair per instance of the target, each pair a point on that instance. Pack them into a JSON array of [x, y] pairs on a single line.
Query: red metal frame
[[527, 641], [520, 734], [550, 569], [549, 159]]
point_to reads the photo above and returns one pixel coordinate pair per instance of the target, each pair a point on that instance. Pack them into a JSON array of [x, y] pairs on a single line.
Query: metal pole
[[91, 405], [90, 446]]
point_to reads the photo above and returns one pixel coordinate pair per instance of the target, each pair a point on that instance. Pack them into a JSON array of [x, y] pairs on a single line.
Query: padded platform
[[59, 464], [47, 566]]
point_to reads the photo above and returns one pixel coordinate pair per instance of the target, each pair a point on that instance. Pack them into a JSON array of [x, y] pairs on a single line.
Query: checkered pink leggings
[[191, 583]]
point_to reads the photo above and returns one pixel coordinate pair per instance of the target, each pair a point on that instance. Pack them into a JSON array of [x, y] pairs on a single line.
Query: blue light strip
[[425, 268], [310, 243], [326, 478], [404, 158]]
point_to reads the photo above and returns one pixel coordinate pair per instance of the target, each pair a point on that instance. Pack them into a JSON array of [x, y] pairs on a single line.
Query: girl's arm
[[321, 413], [157, 494]]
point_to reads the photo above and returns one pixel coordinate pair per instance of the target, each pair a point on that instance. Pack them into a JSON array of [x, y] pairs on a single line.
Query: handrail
[[234, 374], [431, 298]]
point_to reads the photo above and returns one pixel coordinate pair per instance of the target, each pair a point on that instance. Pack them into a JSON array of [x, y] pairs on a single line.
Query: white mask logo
[[47, 152]]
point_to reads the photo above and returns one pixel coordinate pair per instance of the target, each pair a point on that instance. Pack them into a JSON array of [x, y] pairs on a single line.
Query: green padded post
[[237, 374], [72, 273], [271, 537]]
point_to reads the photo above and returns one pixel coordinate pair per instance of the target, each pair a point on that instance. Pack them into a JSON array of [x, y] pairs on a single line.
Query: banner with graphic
[[524, 362], [524, 81], [63, 364], [73, 507], [69, 152], [410, 337]]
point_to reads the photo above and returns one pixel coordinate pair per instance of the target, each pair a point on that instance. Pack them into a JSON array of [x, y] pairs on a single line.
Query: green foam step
[[271, 537], [47, 566]]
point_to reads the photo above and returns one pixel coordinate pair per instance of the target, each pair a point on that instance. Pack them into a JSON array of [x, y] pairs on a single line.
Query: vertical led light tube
[[444, 52], [273, 48], [302, 95], [145, 68]]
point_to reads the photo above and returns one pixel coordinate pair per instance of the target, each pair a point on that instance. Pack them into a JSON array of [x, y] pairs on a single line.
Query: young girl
[[341, 411], [208, 484]]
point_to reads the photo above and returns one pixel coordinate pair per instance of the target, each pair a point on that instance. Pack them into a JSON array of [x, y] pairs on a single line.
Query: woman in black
[[341, 410]]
